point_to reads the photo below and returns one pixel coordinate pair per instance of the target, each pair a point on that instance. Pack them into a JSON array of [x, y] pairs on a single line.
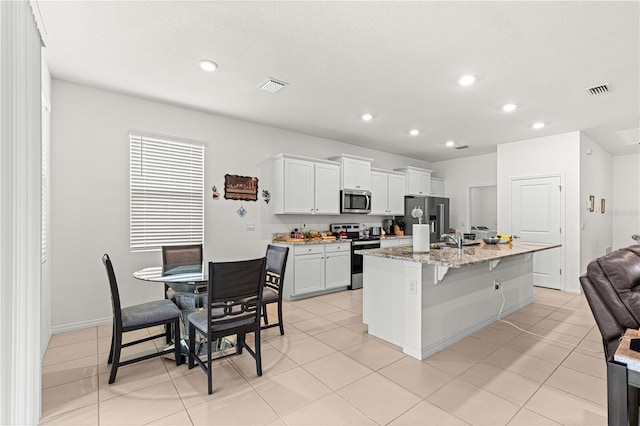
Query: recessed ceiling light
[[414, 132], [509, 107], [466, 80], [207, 65], [450, 143], [367, 117], [538, 125]]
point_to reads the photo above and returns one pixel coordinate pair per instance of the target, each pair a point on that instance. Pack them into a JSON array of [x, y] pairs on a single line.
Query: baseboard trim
[[44, 343], [80, 325]]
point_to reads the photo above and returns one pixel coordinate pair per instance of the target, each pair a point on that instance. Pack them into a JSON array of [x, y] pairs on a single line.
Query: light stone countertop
[[454, 258], [337, 240], [298, 243], [624, 354]]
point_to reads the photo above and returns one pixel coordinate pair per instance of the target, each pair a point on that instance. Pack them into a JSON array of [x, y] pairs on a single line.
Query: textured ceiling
[[398, 60]]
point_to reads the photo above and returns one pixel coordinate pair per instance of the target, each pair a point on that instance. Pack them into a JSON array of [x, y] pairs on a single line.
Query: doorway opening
[[482, 210]]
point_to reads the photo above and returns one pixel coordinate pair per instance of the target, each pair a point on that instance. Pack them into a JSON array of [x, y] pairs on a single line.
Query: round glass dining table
[[176, 277], [187, 288]]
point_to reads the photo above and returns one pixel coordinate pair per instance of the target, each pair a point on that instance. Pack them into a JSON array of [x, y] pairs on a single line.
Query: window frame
[[166, 191]]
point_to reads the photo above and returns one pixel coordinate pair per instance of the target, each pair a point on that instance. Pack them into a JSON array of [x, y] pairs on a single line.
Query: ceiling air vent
[[461, 147], [271, 85], [602, 89]]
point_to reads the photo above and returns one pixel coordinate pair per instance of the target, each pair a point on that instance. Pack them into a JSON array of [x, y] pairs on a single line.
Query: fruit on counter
[[507, 237]]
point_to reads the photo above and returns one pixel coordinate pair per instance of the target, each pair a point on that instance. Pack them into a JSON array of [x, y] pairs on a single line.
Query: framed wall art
[[243, 188]]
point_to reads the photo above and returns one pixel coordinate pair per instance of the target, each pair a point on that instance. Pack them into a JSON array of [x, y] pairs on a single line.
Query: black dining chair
[[136, 317], [175, 259], [186, 258], [234, 294], [274, 279]]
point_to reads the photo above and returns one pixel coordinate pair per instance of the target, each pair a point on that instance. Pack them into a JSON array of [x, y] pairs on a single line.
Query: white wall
[[90, 192], [458, 175], [550, 155], [595, 179], [625, 206]]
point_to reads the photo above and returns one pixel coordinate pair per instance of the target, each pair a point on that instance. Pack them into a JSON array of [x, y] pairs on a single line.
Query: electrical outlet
[[413, 287], [496, 285]]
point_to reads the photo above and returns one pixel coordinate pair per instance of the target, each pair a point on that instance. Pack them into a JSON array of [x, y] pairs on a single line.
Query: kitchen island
[[424, 302]]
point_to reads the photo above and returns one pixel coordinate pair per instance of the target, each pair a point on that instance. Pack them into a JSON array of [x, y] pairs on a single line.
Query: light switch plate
[[251, 226]]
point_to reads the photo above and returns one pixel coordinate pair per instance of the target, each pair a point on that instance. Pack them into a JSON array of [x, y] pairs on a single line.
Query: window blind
[[166, 192]]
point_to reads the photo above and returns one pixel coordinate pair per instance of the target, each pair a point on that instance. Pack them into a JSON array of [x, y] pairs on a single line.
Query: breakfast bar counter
[[424, 302]]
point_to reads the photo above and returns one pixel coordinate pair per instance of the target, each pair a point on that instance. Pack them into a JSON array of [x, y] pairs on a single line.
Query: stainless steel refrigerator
[[436, 214]]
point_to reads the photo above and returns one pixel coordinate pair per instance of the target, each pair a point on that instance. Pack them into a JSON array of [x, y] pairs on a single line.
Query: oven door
[[357, 261]]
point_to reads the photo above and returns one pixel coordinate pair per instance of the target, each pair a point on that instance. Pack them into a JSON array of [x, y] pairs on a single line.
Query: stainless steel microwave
[[354, 201]]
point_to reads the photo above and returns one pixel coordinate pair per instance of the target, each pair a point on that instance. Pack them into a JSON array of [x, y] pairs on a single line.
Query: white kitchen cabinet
[[396, 242], [437, 187], [314, 269], [355, 172], [305, 186], [395, 200], [337, 265], [308, 269], [418, 181], [327, 194], [387, 193]]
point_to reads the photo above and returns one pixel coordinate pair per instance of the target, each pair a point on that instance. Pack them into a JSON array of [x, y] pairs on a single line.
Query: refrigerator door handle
[[441, 218]]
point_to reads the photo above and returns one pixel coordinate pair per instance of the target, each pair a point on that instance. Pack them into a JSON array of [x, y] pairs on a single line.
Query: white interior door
[[536, 216]]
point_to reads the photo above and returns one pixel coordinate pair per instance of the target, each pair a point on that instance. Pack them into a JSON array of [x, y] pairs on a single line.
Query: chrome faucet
[[456, 239]]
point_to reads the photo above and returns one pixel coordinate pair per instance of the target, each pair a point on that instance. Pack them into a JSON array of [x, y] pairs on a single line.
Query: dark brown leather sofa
[[612, 288]]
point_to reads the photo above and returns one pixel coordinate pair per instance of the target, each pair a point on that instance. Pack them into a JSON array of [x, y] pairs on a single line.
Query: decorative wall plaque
[[243, 188]]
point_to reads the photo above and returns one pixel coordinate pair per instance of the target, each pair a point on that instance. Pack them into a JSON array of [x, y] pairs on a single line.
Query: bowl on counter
[[494, 240]]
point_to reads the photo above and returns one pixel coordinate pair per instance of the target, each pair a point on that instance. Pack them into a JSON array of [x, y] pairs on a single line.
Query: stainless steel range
[[358, 242]]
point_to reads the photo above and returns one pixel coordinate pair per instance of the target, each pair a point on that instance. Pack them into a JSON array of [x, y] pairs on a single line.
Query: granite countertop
[[624, 354], [454, 258], [337, 240]]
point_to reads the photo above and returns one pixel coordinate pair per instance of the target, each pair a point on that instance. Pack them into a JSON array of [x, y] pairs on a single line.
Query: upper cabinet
[[418, 181], [437, 187], [305, 185], [355, 171], [387, 193]]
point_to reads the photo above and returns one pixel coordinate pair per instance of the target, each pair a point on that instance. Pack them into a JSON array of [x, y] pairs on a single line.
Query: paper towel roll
[[421, 240]]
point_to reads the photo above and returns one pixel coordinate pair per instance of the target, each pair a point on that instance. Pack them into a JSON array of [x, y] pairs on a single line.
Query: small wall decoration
[[591, 205], [602, 202], [216, 194], [266, 196], [243, 188], [241, 211]]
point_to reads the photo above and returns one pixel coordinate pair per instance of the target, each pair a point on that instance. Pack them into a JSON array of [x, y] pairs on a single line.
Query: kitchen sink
[[442, 246]]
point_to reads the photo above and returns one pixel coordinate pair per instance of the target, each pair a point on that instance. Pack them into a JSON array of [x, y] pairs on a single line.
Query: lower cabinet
[[337, 266], [396, 242], [317, 268], [308, 269]]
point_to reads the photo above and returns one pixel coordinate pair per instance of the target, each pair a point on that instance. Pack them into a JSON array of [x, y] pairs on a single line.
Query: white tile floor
[[326, 370]]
